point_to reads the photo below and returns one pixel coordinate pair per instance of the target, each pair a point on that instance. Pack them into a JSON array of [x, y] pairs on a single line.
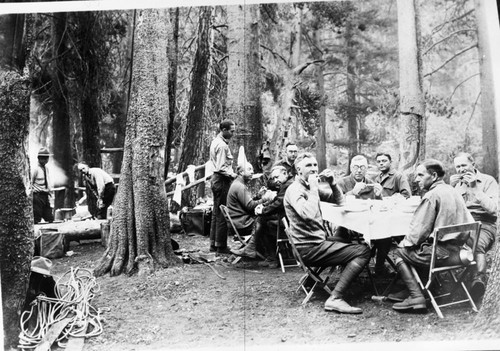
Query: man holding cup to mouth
[[480, 193]]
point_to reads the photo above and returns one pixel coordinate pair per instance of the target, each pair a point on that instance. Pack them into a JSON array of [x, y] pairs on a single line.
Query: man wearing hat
[[100, 189], [41, 186]]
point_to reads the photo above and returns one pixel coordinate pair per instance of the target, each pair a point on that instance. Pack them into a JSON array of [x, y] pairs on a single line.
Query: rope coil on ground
[[74, 290]]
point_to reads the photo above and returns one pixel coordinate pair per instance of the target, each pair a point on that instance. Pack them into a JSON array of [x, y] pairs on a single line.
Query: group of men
[[99, 185], [471, 196]]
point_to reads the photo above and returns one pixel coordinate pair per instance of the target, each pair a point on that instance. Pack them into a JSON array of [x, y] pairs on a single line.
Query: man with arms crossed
[[302, 207], [480, 192]]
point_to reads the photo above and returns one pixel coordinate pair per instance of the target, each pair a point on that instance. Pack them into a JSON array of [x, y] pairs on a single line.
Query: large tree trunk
[[61, 143], [243, 92], [484, 11], [16, 221], [412, 104], [352, 117], [173, 60], [139, 230], [90, 83], [488, 319], [321, 132], [195, 141]]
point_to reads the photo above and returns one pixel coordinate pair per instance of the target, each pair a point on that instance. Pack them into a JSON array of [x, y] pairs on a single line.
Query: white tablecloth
[[369, 219]]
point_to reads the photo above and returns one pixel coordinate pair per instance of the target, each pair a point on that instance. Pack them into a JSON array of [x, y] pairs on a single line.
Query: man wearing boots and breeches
[[302, 207], [440, 206]]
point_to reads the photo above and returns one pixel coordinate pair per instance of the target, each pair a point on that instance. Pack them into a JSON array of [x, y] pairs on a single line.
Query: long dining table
[[372, 218]]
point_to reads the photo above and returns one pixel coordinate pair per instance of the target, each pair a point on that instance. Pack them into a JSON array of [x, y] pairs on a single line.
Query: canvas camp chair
[[312, 274], [457, 272], [242, 239]]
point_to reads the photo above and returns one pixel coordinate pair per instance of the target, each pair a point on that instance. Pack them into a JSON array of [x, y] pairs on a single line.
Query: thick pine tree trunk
[[243, 92], [173, 60], [16, 220], [412, 104], [90, 85], [140, 226], [488, 319], [61, 143], [352, 118], [485, 11], [320, 80]]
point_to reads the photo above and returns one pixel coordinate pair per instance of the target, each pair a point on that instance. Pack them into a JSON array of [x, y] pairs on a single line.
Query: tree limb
[[300, 68], [472, 113], [440, 26], [446, 38], [459, 84], [275, 54], [450, 59]]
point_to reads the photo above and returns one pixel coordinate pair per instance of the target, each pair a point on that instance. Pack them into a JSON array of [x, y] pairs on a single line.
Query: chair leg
[[434, 304], [280, 258]]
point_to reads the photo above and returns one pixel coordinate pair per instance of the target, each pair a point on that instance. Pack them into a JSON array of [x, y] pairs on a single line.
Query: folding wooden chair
[[284, 250], [241, 239], [457, 272], [311, 273]]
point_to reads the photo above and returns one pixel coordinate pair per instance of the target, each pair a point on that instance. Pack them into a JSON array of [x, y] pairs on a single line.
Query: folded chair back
[[284, 250], [225, 213]]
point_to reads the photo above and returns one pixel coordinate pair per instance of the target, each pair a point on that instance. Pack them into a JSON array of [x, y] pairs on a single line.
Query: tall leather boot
[[249, 250], [335, 302], [416, 300], [478, 283]]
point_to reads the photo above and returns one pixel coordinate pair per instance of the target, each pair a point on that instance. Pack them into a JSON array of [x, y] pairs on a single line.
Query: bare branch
[[300, 68], [440, 26], [275, 54], [450, 59], [446, 38], [459, 84], [472, 113]]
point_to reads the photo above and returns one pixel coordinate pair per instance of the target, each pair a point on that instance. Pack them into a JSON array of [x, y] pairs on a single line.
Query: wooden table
[[370, 218]]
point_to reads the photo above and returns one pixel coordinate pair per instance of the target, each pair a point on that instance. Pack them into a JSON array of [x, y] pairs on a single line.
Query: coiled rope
[[74, 290]]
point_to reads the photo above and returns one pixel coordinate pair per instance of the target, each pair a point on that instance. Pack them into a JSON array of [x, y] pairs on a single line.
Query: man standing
[[357, 183], [440, 206], [222, 161], [288, 162], [241, 207], [480, 192], [100, 190], [392, 182], [41, 186], [302, 207]]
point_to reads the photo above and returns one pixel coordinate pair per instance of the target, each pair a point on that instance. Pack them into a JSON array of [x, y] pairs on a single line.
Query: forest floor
[[190, 307]]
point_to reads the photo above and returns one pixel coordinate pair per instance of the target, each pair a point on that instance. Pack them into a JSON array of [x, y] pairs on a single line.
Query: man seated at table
[[392, 182], [270, 215], [440, 206], [302, 207], [361, 187], [480, 192], [241, 207]]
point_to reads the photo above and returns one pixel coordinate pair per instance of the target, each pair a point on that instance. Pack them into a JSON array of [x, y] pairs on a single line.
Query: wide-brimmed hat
[[43, 152], [41, 265]]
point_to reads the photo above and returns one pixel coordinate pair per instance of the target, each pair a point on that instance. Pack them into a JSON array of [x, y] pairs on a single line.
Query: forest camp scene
[[285, 176]]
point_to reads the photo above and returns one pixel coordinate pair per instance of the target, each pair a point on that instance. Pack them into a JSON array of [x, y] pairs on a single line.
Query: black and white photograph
[[249, 175]]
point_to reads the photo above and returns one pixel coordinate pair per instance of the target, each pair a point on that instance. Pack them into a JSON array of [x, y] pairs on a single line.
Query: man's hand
[[262, 191], [357, 188], [313, 181], [377, 189], [455, 179], [269, 196], [100, 203], [470, 179], [258, 209], [329, 176]]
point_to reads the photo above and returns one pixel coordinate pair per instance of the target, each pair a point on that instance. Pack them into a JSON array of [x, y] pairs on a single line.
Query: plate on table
[[356, 208]]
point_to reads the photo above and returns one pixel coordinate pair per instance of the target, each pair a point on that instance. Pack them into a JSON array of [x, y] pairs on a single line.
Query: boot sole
[[343, 312], [414, 307]]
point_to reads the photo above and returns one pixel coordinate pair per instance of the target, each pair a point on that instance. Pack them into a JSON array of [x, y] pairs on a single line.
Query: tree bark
[[90, 83], [352, 117], [321, 132], [140, 234], [16, 221], [484, 12], [243, 93], [412, 104], [173, 59], [488, 319], [61, 142]]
